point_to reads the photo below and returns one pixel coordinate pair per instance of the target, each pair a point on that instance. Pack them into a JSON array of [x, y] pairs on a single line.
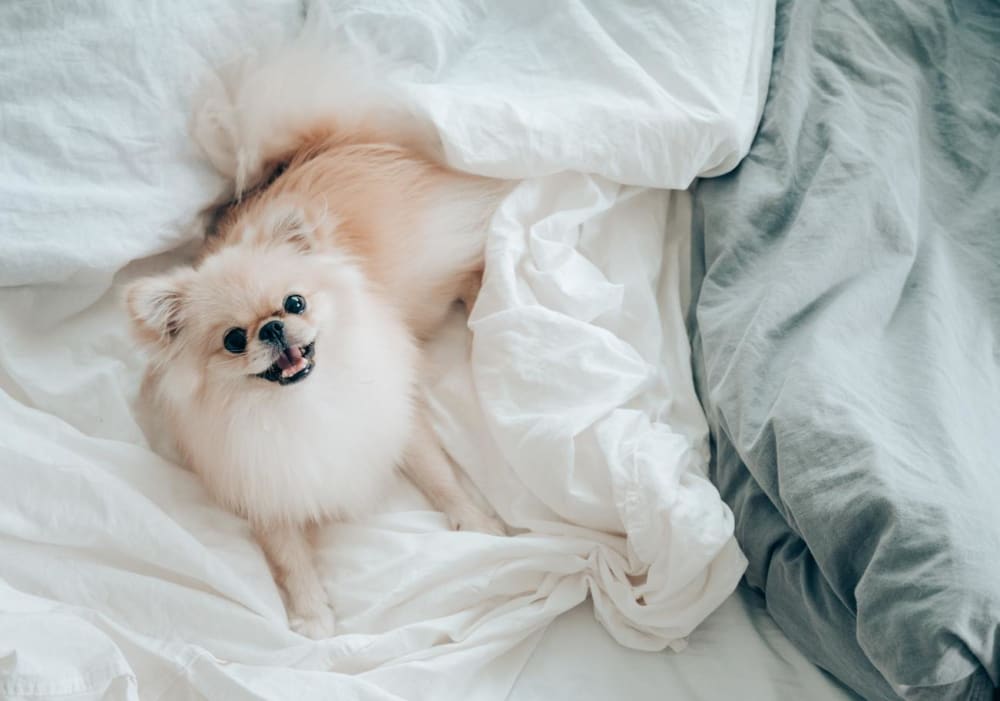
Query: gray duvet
[[847, 342]]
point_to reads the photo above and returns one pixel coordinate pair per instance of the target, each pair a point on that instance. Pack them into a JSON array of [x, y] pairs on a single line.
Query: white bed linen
[[570, 406], [736, 653]]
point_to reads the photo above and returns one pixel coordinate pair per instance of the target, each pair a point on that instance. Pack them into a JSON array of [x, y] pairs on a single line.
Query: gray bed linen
[[846, 329]]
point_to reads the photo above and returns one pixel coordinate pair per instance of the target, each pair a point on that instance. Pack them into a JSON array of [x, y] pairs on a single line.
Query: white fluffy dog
[[285, 361]]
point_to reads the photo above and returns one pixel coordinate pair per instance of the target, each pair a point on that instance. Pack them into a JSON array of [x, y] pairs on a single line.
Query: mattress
[[566, 398]]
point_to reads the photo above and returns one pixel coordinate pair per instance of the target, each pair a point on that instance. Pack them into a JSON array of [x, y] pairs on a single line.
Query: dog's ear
[[291, 227], [156, 305]]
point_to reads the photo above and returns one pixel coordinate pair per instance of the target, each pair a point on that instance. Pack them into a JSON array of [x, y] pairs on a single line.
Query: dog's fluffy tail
[[256, 112]]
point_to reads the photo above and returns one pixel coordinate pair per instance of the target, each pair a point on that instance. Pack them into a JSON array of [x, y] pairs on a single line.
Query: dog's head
[[248, 315]]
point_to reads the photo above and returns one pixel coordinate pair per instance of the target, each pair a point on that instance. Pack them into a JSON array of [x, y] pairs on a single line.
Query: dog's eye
[[235, 340], [295, 304]]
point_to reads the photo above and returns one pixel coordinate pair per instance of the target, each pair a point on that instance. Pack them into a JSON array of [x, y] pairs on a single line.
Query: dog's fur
[[343, 207]]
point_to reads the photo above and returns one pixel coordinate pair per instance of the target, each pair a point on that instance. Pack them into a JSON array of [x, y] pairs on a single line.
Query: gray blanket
[[847, 342]]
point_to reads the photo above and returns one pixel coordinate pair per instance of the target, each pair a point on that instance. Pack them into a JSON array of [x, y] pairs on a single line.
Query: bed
[[566, 397]]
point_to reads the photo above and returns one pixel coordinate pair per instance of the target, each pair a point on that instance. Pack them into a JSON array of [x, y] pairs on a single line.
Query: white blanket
[[570, 403]]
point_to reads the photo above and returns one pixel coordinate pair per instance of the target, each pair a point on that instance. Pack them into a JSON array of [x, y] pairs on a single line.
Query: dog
[[285, 361]]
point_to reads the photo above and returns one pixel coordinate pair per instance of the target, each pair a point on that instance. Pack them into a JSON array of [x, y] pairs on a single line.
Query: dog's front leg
[[293, 561], [430, 470]]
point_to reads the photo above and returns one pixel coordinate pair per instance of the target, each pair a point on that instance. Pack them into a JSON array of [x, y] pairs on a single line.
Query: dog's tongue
[[291, 361]]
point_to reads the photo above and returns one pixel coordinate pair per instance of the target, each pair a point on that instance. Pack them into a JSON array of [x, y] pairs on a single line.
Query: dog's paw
[[472, 519], [317, 625]]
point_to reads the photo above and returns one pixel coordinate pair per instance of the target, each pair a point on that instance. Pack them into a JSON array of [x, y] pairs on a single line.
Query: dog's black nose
[[273, 332]]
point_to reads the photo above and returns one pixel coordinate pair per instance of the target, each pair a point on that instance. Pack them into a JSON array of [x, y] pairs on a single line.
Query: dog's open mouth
[[294, 364]]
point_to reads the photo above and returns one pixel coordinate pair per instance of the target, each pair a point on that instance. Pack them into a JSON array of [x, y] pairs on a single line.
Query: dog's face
[[246, 317]]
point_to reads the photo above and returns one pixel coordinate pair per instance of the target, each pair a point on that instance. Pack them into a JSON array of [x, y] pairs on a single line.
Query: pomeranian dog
[[285, 362]]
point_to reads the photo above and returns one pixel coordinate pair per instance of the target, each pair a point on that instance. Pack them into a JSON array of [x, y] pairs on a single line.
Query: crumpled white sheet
[[570, 405]]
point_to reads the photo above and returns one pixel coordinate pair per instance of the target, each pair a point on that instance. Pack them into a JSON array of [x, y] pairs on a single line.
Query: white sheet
[[570, 406], [736, 653]]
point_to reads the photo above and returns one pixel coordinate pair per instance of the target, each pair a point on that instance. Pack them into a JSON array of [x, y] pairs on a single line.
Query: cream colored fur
[[380, 240]]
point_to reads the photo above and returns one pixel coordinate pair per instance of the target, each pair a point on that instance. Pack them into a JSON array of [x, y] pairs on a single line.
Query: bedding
[[738, 652], [569, 404], [848, 318]]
